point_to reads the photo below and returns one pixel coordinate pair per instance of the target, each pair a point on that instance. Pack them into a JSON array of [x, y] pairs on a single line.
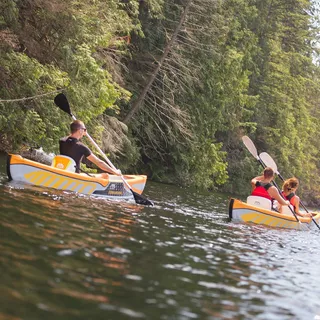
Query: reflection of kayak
[[28, 171], [255, 213]]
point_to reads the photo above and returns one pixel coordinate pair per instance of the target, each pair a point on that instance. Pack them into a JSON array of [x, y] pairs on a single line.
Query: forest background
[[168, 87]]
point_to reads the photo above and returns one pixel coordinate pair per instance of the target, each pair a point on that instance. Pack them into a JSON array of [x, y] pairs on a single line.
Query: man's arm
[[102, 165], [274, 193], [255, 180]]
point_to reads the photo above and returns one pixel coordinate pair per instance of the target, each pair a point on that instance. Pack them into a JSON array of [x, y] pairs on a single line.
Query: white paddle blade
[[250, 146], [268, 161]]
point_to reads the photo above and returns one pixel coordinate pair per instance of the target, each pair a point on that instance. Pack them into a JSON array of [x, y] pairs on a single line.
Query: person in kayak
[[72, 147], [289, 189], [262, 187]]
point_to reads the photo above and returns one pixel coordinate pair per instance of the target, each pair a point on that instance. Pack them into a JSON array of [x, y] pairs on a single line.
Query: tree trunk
[[137, 103]]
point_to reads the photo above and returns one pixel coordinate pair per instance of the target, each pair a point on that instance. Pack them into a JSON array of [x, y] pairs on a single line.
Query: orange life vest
[[291, 197]]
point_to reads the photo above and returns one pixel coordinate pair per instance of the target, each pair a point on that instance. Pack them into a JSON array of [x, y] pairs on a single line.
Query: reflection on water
[[66, 256]]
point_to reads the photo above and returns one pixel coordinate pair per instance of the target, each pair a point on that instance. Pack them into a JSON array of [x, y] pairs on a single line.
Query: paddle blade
[[141, 199], [268, 161], [250, 146], [62, 102]]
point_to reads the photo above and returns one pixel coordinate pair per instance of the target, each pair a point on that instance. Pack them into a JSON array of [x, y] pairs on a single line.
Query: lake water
[[68, 257]]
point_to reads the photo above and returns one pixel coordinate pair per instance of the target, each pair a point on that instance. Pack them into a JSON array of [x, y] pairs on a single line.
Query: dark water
[[64, 256]]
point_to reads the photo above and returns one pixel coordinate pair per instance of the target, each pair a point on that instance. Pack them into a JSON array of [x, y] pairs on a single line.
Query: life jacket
[[261, 190], [290, 197]]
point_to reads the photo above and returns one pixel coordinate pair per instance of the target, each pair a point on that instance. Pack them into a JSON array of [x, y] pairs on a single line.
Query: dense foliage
[[168, 87]]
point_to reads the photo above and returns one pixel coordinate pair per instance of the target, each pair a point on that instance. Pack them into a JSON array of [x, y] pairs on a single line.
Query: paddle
[[251, 147], [267, 159], [253, 150], [62, 102]]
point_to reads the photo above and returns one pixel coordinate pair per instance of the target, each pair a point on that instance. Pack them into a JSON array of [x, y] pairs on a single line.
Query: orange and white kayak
[[256, 212], [58, 176]]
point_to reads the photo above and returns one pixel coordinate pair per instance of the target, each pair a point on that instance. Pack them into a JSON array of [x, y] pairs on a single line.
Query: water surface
[[67, 256]]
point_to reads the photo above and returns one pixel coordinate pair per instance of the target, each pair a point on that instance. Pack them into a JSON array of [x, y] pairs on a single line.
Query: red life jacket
[[291, 197], [261, 190]]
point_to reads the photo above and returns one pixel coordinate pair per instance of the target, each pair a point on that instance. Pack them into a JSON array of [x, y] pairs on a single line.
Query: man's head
[[78, 127], [268, 173]]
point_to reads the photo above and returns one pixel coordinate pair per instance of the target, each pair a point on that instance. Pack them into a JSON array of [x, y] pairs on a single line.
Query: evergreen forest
[[167, 88]]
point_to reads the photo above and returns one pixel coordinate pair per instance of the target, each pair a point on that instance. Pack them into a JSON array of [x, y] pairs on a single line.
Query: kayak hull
[[35, 173], [244, 212]]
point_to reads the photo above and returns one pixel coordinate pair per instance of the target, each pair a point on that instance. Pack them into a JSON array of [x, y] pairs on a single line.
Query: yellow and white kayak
[[58, 177], [245, 212]]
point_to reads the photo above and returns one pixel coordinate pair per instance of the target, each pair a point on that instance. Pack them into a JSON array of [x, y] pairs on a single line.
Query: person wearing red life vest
[[262, 187], [289, 189]]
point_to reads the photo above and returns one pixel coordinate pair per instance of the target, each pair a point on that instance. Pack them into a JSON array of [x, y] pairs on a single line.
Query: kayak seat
[[260, 202], [64, 163]]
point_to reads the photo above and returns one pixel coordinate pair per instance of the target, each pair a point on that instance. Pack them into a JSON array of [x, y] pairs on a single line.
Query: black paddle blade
[[62, 102], [141, 199]]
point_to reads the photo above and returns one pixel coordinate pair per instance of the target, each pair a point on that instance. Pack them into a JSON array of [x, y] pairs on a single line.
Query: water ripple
[[72, 257]]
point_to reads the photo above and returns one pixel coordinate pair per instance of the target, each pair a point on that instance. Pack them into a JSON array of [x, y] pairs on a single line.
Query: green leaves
[[65, 46], [28, 121]]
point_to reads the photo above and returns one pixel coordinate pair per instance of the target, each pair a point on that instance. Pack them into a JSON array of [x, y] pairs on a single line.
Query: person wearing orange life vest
[[289, 189], [262, 187]]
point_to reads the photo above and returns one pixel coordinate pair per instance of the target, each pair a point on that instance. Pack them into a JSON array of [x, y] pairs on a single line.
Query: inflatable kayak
[[60, 176], [258, 210]]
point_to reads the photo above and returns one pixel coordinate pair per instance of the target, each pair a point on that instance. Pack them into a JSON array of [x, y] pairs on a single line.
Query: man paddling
[[262, 187], [72, 147]]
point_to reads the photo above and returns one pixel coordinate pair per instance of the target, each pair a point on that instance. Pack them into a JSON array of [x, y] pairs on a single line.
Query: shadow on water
[[66, 256]]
